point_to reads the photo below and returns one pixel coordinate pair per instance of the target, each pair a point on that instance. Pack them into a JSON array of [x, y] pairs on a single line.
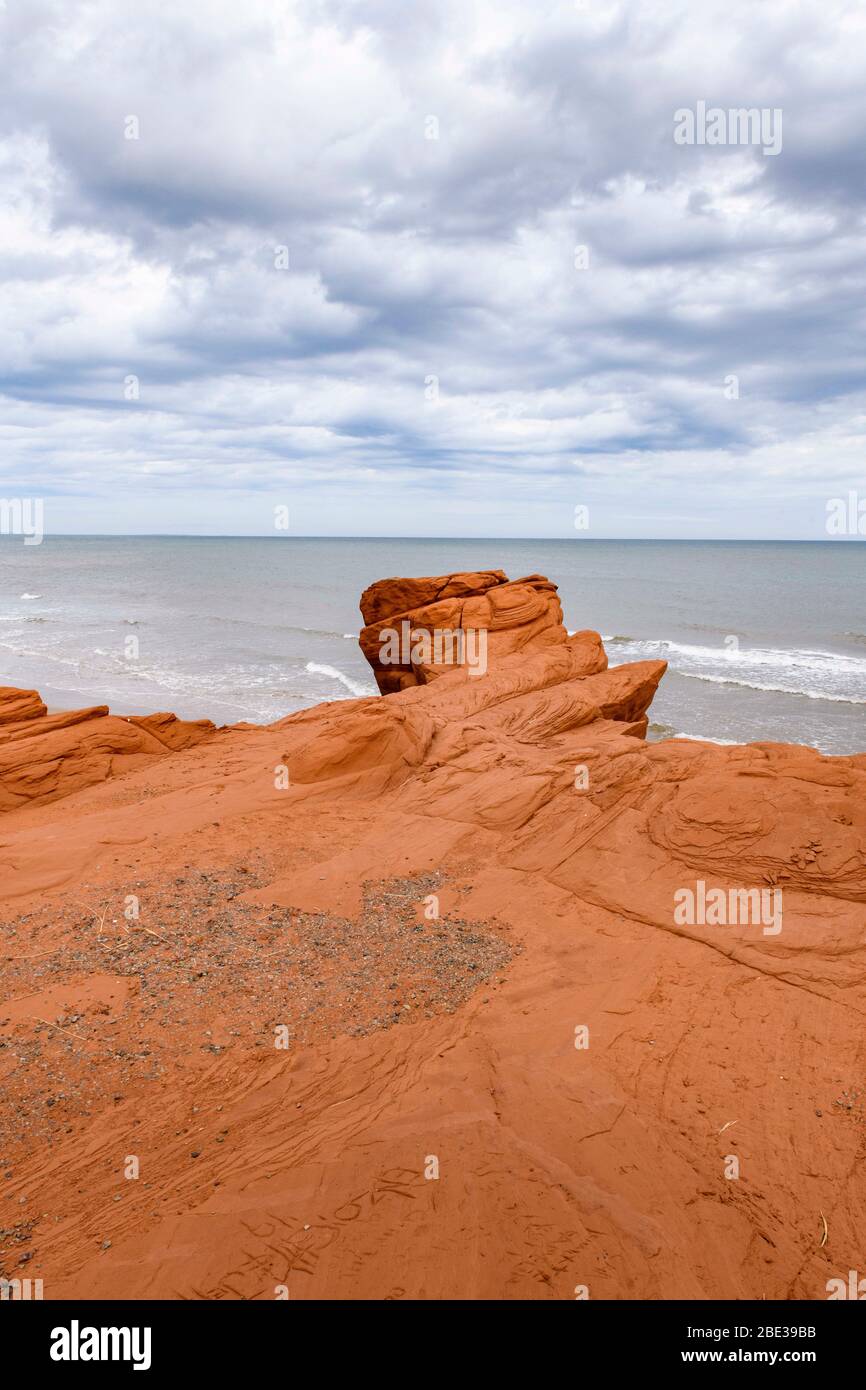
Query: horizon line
[[581, 539]]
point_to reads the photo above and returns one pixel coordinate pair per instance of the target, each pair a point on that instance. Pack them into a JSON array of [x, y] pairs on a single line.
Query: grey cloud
[[413, 258]]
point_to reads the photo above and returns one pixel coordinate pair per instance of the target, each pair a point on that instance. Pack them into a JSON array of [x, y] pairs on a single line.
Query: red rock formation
[[44, 757], [19, 706], [513, 616], [526, 808]]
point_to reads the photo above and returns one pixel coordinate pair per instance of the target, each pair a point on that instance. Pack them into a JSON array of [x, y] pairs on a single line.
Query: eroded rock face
[[44, 757], [527, 805], [410, 619]]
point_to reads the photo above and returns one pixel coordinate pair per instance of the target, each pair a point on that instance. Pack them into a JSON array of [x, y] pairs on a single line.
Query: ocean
[[765, 640]]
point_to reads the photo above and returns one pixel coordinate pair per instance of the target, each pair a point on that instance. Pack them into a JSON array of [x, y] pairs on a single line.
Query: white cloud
[[304, 125]]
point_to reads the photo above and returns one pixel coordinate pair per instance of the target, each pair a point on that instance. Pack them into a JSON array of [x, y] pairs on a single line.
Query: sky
[[435, 268]]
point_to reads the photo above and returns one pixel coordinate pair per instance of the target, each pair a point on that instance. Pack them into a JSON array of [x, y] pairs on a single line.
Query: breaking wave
[[815, 675]]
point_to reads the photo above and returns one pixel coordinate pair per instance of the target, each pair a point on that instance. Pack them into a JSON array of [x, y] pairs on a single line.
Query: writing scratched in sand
[[276, 1249]]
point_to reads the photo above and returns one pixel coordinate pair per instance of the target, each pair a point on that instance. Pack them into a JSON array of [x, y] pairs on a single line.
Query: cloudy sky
[[509, 291]]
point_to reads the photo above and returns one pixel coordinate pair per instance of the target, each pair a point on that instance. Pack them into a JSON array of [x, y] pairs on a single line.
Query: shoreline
[[266, 636], [655, 734]]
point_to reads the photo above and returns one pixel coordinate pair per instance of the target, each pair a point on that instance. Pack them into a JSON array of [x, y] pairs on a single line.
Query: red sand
[[418, 1045]]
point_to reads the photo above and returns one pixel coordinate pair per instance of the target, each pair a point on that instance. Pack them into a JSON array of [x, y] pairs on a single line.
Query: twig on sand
[[149, 933], [94, 913], [35, 956], [61, 1028]]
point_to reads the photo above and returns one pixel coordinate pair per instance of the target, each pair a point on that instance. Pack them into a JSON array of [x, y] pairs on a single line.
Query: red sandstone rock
[[43, 757], [513, 616], [531, 798], [19, 705]]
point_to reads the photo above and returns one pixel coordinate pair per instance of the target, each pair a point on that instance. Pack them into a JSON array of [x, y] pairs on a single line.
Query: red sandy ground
[[417, 1043]]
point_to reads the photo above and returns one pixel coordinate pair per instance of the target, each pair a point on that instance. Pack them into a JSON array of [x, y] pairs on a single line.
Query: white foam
[[814, 674], [354, 686], [705, 738], [777, 689]]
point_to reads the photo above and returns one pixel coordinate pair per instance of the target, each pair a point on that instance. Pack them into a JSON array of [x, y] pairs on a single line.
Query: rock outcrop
[[44, 757], [410, 614], [554, 1017]]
